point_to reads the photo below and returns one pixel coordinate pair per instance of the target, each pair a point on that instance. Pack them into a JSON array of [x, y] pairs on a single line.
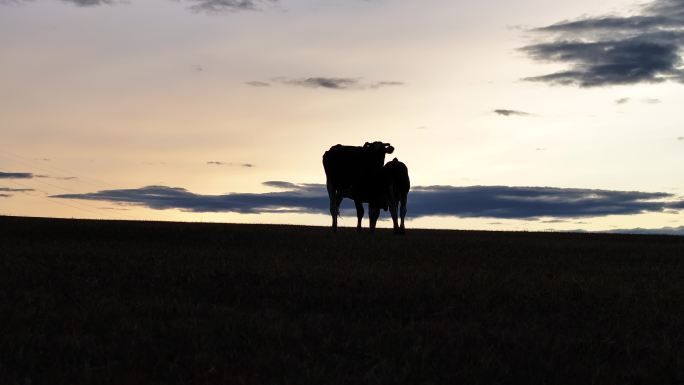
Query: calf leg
[[359, 214], [392, 200], [393, 210], [403, 214]]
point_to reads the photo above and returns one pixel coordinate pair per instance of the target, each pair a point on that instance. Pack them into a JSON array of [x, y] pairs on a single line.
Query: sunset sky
[[510, 115]]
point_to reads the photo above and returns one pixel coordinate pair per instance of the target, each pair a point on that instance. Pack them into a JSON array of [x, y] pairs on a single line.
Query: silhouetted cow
[[394, 188], [352, 172]]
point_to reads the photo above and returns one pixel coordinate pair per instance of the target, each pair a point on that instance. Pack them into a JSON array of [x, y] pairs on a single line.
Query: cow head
[[385, 148]]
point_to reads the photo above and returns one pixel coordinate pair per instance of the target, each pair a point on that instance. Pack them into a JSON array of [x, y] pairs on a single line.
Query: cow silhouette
[[353, 172]]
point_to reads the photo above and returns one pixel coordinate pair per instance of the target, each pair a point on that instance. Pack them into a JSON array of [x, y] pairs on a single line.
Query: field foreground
[[177, 303]]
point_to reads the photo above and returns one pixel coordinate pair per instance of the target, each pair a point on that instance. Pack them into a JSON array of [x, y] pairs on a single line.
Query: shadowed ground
[[180, 303]]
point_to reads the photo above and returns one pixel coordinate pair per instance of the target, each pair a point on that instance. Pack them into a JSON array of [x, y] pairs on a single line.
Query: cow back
[[347, 166]]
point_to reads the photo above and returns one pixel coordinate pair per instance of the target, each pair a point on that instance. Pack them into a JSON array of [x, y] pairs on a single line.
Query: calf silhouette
[[391, 189]]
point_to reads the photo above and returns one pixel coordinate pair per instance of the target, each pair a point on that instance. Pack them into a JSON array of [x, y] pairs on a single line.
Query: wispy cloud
[[16, 175], [207, 6], [476, 201], [332, 83], [644, 100], [8, 189], [615, 50], [256, 83], [217, 163], [504, 112], [5, 192], [89, 3], [281, 184], [323, 82], [387, 84], [56, 177], [219, 6]]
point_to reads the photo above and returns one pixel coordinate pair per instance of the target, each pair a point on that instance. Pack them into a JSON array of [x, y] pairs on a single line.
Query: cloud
[[257, 83], [28, 175], [303, 198], [645, 100], [387, 84], [216, 163], [501, 202], [511, 113], [680, 138], [281, 184], [5, 191], [615, 50], [660, 231], [651, 101], [219, 6], [208, 6], [56, 177], [89, 3], [532, 202], [322, 82], [16, 175], [335, 83]]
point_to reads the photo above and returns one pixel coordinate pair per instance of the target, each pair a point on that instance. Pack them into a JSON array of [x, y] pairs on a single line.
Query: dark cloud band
[[476, 201]]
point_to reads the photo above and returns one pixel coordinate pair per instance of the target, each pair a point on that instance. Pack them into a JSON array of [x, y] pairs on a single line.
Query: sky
[[510, 115]]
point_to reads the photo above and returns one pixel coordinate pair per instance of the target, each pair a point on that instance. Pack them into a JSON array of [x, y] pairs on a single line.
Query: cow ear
[[366, 145], [389, 150]]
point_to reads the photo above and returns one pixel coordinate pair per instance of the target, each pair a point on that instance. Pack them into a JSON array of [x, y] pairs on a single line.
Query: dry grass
[[168, 303]]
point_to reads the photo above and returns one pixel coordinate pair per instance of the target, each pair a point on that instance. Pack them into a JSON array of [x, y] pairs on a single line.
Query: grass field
[[102, 302]]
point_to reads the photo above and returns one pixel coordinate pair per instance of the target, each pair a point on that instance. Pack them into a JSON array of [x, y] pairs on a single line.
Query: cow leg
[[334, 206], [359, 214], [402, 229], [374, 214]]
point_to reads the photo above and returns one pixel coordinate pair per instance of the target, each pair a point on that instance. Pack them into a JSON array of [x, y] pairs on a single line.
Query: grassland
[[106, 302]]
